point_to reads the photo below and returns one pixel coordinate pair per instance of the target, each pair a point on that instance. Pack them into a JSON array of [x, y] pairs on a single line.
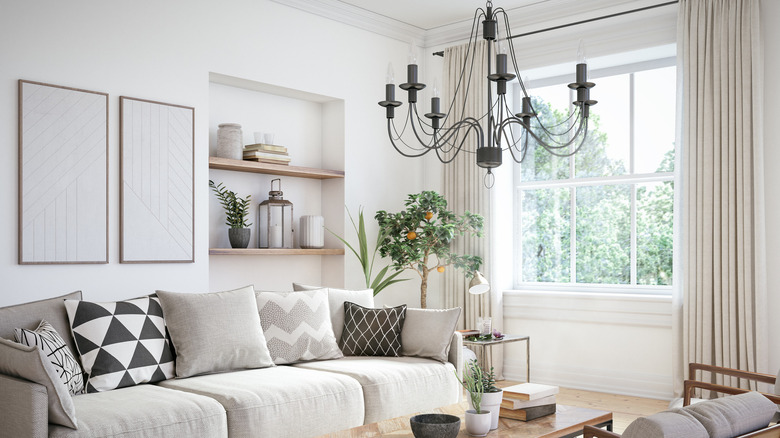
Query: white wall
[[164, 51]]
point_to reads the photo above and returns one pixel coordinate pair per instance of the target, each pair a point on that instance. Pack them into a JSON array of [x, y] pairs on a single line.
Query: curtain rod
[[441, 53]]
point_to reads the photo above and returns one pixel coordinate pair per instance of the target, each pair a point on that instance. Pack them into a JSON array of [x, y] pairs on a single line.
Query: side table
[[482, 357]]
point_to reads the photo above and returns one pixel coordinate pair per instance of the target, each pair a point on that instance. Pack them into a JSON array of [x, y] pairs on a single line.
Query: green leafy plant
[[236, 209], [380, 281], [489, 381], [473, 378], [413, 237]]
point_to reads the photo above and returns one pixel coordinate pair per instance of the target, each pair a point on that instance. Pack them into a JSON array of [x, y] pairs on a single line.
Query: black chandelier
[[447, 137]]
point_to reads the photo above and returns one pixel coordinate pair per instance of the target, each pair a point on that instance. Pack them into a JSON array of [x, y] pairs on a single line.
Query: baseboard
[[596, 379]]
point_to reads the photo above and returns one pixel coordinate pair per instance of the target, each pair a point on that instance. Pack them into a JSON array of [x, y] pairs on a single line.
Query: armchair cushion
[[675, 423], [428, 332], [336, 299], [734, 415]]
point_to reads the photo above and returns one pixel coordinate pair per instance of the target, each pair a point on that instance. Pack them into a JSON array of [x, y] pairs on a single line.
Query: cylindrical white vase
[[230, 141], [312, 231]]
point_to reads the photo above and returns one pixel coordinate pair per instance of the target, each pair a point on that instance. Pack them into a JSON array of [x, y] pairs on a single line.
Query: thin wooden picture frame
[[63, 175], [157, 182]]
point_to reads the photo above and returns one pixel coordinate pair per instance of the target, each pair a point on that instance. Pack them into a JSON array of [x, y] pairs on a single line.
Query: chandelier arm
[[577, 120], [423, 124], [522, 149], [553, 150], [471, 46], [472, 124], [453, 131], [392, 141]]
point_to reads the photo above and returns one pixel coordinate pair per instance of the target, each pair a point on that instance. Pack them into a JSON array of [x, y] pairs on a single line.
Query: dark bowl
[[435, 426]]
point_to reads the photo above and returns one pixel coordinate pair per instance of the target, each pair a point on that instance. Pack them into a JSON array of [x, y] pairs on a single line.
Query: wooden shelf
[[275, 251], [273, 169]]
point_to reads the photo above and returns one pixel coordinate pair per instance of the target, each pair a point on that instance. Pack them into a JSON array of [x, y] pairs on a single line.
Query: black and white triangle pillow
[[54, 347], [121, 343]]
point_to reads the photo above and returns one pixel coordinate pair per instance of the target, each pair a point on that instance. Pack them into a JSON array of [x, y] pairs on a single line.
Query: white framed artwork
[[157, 221], [63, 175]]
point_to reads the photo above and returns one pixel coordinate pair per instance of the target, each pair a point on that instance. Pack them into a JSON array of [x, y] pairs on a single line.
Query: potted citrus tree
[[478, 419], [236, 211]]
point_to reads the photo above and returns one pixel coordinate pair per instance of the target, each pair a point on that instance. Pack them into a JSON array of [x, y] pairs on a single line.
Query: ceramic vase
[[312, 231], [230, 141], [239, 237], [477, 424]]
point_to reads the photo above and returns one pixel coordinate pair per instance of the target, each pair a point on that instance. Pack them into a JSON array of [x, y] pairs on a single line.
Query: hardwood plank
[[275, 251], [273, 169]]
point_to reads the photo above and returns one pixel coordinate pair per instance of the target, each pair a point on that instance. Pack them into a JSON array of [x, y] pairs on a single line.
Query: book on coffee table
[[529, 391], [527, 414], [508, 403]]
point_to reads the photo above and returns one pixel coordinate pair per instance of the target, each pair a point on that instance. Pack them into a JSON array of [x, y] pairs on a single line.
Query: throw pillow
[[30, 363], [121, 343], [428, 332], [336, 299], [372, 332], [297, 326], [53, 346], [213, 332]]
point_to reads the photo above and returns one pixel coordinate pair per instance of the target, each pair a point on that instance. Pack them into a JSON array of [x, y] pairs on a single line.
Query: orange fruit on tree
[[428, 216], [411, 235], [440, 269]]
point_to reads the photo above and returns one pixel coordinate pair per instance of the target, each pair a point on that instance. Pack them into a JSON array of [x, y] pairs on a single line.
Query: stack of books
[[528, 401], [266, 153]]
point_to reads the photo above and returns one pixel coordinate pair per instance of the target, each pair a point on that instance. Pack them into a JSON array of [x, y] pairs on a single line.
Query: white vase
[[312, 231], [230, 141], [477, 424]]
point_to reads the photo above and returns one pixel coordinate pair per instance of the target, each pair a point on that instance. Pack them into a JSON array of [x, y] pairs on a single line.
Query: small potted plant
[[236, 210], [491, 395], [477, 419]]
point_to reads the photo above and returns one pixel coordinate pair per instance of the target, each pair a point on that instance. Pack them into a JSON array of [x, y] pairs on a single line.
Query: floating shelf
[[273, 169], [275, 251]]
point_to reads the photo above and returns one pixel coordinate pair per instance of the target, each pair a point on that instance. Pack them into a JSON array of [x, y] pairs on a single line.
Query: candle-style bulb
[[390, 77], [501, 48], [412, 53], [581, 53], [436, 92]]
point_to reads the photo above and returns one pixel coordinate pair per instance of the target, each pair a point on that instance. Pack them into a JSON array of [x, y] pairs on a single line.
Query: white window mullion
[[632, 167], [633, 235], [573, 234]]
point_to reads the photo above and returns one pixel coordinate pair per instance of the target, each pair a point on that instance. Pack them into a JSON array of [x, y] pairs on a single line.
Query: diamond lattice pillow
[[58, 353], [372, 332], [121, 343]]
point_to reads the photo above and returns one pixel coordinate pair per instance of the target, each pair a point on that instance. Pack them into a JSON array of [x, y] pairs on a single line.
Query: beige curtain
[[465, 191], [724, 289]]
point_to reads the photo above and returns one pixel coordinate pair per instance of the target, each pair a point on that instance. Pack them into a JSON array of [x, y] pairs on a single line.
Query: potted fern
[[236, 211], [477, 419]]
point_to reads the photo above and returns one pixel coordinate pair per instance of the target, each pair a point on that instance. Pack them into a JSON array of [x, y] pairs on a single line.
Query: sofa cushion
[[281, 402], [29, 315], [145, 411], [733, 415], [336, 299], [395, 386], [30, 363], [53, 346], [428, 332], [215, 331], [372, 332], [121, 343], [675, 423], [296, 326]]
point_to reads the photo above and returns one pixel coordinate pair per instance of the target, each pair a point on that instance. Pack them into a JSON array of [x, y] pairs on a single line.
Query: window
[[603, 217]]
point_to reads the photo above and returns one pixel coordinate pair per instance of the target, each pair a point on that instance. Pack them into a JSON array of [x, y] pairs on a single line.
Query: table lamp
[[478, 286]]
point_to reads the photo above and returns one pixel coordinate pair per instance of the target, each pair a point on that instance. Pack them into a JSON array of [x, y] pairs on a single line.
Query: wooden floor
[[624, 408]]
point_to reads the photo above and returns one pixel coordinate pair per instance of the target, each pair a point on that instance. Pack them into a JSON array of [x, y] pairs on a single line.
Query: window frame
[[572, 182]]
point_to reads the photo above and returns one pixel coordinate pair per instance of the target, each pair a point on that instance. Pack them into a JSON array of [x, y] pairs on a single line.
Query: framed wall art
[[157, 221], [63, 174]]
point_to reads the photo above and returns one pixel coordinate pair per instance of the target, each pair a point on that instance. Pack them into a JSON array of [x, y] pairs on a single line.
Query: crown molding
[[358, 17]]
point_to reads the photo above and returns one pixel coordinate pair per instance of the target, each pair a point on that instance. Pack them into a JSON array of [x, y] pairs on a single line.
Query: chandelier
[[447, 134]]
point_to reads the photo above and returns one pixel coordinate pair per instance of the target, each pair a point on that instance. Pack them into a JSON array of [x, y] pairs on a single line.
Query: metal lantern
[[275, 220]]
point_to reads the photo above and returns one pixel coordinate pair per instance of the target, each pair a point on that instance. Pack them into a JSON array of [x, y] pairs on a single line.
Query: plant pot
[[477, 424], [491, 401], [239, 237]]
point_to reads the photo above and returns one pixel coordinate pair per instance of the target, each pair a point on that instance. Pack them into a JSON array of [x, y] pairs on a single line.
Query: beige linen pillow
[[336, 299], [428, 332], [30, 363], [214, 332]]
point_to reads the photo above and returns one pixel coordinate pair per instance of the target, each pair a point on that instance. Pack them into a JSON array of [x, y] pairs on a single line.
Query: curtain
[[723, 286], [464, 190]]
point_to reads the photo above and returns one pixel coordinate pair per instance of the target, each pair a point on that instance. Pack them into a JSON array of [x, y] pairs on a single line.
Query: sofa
[[298, 399]]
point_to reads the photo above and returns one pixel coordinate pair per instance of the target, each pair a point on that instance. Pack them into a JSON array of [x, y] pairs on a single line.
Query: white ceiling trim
[[358, 17]]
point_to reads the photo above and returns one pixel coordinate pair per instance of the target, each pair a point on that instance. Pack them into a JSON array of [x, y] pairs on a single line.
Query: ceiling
[[430, 14]]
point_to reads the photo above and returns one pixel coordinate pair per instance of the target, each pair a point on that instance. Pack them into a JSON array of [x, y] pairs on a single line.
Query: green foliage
[[489, 381], [236, 209], [473, 382], [380, 281], [432, 236]]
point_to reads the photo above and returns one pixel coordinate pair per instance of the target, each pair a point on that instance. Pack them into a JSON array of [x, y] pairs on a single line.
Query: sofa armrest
[[455, 355], [25, 409]]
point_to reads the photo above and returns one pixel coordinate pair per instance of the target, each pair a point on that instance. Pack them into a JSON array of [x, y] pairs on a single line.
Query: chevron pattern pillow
[[53, 346], [121, 343], [372, 332], [297, 326]]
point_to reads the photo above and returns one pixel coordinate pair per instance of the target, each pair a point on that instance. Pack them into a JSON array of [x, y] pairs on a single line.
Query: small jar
[[230, 141], [312, 231]]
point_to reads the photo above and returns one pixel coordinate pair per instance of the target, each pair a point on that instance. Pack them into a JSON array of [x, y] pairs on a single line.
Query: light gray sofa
[[306, 399]]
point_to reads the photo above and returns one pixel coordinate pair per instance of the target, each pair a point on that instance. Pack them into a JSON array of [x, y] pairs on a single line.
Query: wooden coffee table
[[567, 422]]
